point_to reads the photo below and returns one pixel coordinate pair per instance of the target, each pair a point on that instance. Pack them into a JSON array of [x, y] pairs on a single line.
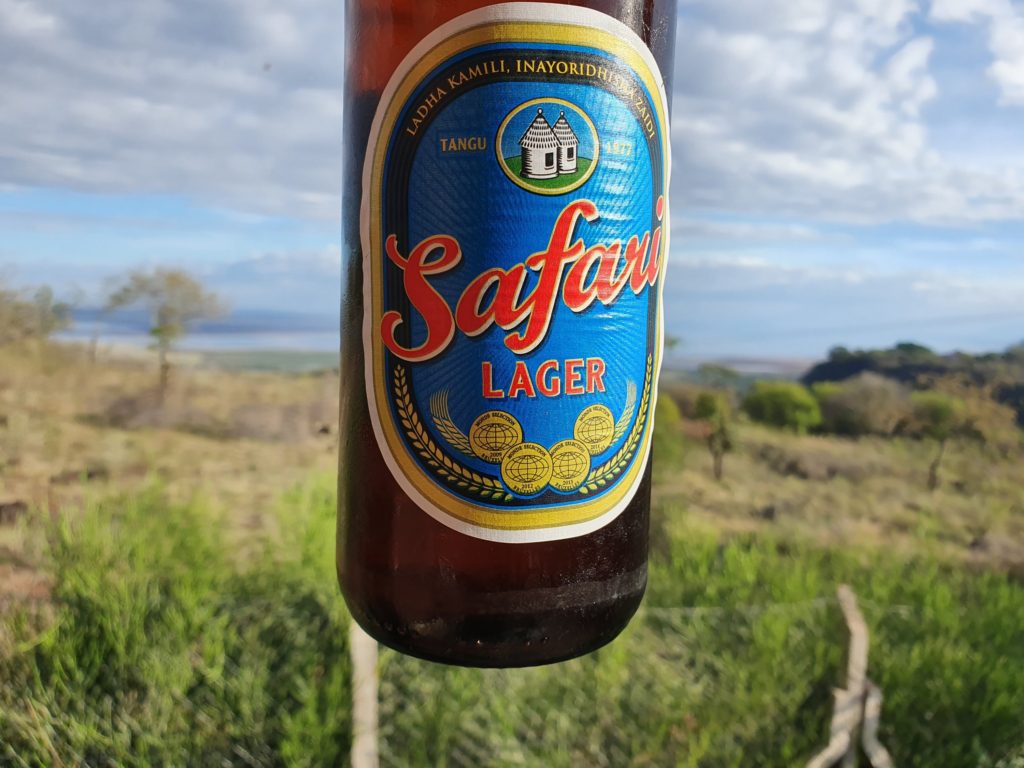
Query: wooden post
[[856, 664], [845, 717], [363, 650], [877, 754], [858, 705]]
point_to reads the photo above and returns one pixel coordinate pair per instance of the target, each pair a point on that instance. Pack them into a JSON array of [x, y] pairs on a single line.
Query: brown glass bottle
[[410, 581]]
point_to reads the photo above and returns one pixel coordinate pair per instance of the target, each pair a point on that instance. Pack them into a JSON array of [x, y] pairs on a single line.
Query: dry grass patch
[[860, 492]]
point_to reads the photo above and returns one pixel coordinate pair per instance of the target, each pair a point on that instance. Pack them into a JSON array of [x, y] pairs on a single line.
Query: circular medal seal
[[493, 434], [570, 463], [595, 428], [526, 469], [548, 146]]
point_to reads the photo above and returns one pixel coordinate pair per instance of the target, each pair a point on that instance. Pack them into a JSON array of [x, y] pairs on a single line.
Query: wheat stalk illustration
[[627, 413], [454, 473], [445, 425], [612, 468]]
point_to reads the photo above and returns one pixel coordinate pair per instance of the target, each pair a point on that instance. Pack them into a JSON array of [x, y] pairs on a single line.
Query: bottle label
[[515, 231]]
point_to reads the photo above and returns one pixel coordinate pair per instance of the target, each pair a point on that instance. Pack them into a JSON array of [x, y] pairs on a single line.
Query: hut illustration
[[568, 143], [540, 149]]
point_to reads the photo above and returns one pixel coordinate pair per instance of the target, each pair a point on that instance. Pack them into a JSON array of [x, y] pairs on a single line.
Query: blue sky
[[847, 171]]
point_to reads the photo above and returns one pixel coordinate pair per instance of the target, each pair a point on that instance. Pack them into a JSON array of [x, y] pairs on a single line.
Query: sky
[[846, 171]]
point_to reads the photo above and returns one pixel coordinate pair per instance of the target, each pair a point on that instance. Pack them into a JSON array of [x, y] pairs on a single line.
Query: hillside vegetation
[[167, 589], [919, 367]]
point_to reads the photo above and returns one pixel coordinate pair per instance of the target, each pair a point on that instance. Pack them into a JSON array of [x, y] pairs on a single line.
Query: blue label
[[514, 235]]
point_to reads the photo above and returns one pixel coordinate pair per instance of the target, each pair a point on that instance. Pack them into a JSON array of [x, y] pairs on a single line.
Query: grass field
[[169, 598], [160, 647]]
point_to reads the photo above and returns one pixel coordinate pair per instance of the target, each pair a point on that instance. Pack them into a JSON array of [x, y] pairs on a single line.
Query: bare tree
[[174, 300]]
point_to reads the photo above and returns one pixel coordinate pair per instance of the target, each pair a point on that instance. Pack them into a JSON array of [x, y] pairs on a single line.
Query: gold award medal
[[570, 463], [493, 434], [526, 469], [595, 428]]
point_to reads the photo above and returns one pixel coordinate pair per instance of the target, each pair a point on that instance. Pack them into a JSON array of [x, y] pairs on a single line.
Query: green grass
[[515, 165], [161, 651], [163, 647]]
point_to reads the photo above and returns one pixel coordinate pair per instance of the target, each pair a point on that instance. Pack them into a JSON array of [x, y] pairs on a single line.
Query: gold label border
[[536, 23]]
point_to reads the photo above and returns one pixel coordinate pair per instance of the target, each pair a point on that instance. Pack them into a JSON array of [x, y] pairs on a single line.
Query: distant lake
[[249, 338], [242, 330]]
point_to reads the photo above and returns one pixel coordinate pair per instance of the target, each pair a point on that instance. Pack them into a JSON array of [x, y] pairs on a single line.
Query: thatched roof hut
[[539, 149], [568, 144]]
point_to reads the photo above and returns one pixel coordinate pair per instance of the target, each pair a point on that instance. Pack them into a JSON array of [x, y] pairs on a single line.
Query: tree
[[36, 316], [984, 419], [937, 416], [913, 351], [718, 376], [714, 410], [174, 300], [784, 405], [49, 316], [839, 354], [111, 286]]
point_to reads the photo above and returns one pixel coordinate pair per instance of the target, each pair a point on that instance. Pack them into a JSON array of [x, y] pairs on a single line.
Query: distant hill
[[914, 365], [781, 367]]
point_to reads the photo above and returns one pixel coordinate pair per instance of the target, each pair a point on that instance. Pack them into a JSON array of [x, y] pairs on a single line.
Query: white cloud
[[19, 18], [237, 102], [817, 110], [808, 110], [725, 231], [1006, 39]]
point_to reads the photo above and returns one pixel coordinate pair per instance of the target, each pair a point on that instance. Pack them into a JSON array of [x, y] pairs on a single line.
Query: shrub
[[784, 405], [867, 404], [683, 394], [668, 439]]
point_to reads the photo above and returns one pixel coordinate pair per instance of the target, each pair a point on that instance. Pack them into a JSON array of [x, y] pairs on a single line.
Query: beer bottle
[[505, 238]]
